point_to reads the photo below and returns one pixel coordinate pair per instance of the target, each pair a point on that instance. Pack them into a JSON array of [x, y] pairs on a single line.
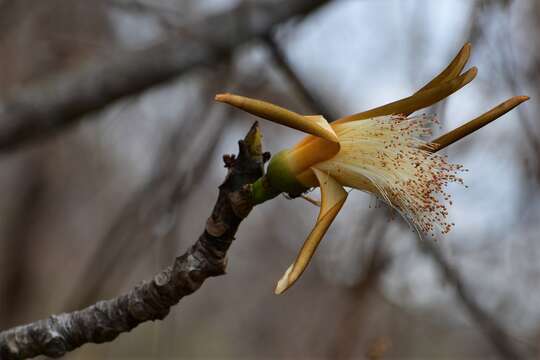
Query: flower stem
[[262, 190]]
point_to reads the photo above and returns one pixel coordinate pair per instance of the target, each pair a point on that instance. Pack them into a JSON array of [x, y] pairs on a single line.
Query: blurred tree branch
[[494, 331], [375, 263], [18, 243], [281, 60], [141, 222], [32, 112], [508, 68], [168, 16], [151, 300]]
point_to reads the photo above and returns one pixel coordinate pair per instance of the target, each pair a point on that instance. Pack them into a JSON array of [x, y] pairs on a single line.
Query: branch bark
[[31, 113], [181, 162], [151, 300]]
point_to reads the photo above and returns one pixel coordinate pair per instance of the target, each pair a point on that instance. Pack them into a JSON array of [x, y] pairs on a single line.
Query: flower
[[379, 151]]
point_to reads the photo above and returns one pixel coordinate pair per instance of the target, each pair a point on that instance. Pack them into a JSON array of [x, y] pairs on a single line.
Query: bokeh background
[[93, 209]]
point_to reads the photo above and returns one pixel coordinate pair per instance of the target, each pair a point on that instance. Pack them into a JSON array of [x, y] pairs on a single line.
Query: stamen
[[386, 155]]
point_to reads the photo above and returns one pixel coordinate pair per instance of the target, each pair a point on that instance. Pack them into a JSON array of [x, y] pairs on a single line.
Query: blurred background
[[91, 209]]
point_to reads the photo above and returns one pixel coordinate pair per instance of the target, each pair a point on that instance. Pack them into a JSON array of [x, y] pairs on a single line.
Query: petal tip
[[322, 128], [514, 101], [332, 136], [221, 97], [284, 283], [472, 71], [280, 287], [465, 53]]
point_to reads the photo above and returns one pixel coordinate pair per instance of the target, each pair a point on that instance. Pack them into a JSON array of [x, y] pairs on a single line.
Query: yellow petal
[[417, 101], [333, 198], [452, 70], [311, 124], [475, 124], [449, 73], [301, 159]]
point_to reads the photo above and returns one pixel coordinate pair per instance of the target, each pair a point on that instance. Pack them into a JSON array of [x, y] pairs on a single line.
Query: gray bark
[[151, 300]]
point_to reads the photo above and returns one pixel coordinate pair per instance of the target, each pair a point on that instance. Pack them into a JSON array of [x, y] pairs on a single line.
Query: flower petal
[[475, 124], [301, 159], [449, 73], [452, 70], [333, 198], [417, 101], [311, 124]]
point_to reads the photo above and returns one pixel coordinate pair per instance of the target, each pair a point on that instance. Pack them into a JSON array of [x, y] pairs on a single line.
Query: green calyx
[[278, 179]]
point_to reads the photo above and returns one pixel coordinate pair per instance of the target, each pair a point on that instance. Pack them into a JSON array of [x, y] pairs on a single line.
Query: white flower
[[379, 151]]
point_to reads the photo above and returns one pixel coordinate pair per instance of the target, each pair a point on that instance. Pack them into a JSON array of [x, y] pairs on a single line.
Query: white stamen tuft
[[386, 156]]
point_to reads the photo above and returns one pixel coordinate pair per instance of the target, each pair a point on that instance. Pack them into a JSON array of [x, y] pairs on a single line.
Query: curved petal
[[417, 101], [453, 69], [311, 124], [449, 73], [475, 124], [333, 198], [301, 159]]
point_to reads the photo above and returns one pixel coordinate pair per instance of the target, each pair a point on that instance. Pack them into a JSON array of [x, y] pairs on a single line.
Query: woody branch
[[151, 300]]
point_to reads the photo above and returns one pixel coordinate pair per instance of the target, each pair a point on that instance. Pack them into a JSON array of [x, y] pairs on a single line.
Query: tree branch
[[491, 328], [151, 300], [31, 113], [181, 162]]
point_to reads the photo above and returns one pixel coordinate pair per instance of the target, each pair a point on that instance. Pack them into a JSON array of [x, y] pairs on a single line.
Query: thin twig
[[151, 300]]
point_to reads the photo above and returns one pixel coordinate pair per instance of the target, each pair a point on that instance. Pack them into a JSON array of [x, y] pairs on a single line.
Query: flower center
[[386, 156]]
